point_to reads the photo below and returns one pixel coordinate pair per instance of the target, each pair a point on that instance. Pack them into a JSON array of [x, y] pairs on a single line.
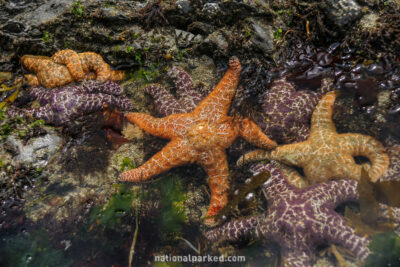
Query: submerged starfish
[[61, 106], [327, 154], [67, 66], [200, 136], [188, 97], [286, 113], [299, 219]]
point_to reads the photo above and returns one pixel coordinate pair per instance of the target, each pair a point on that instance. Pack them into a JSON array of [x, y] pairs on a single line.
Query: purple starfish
[[299, 219], [286, 113], [61, 106], [188, 98]]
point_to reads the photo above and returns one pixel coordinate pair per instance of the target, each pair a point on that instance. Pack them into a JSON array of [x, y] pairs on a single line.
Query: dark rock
[[262, 36], [203, 28], [184, 5], [186, 39], [343, 12]]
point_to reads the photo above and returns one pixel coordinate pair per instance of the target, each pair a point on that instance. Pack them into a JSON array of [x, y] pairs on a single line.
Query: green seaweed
[[171, 218], [127, 164], [385, 250], [31, 249], [119, 206], [77, 9]]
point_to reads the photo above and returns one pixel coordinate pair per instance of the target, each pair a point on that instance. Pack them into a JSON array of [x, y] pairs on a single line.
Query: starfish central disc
[[200, 136]]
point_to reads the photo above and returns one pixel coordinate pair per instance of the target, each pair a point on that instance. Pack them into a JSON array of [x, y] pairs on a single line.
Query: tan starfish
[[200, 136], [327, 154], [67, 66]]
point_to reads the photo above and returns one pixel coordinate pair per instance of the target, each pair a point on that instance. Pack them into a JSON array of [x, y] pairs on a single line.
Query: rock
[[48, 12], [185, 39], [211, 10], [216, 41], [36, 152], [201, 28], [262, 36], [184, 5], [343, 12]]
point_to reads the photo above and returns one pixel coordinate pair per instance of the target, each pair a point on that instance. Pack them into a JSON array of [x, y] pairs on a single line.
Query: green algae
[[31, 249], [385, 250], [171, 216], [118, 207], [127, 164]]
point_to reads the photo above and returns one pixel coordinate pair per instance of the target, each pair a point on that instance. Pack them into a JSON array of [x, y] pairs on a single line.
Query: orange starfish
[[200, 136], [327, 154], [67, 66]]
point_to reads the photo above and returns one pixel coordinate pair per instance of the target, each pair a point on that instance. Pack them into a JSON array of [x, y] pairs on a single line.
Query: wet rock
[[185, 39], [211, 10], [343, 12], [113, 14], [262, 36], [36, 152], [199, 27], [13, 27], [216, 41], [48, 12], [184, 5]]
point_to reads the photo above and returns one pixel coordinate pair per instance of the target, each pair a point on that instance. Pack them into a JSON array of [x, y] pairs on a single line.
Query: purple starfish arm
[[62, 105], [299, 219], [41, 94], [334, 192], [187, 95], [165, 102], [286, 113], [108, 87], [235, 230]]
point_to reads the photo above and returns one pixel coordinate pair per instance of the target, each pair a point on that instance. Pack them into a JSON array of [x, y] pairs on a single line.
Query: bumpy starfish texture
[[299, 219], [187, 96], [62, 105], [327, 154], [67, 66], [286, 113], [200, 136]]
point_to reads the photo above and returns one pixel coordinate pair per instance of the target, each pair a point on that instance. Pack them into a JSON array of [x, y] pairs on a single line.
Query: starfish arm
[[292, 176], [175, 153], [297, 257], [234, 231], [335, 230], [94, 62], [277, 184], [216, 165], [165, 102], [367, 146], [108, 87], [333, 193], [117, 75], [253, 134], [327, 86], [43, 113], [322, 116], [71, 60], [219, 100], [185, 91], [291, 154], [95, 102], [175, 125], [303, 132], [32, 79], [33, 63]]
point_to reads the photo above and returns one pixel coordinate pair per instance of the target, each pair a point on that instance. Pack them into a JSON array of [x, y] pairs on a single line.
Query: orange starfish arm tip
[[173, 154], [253, 134]]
